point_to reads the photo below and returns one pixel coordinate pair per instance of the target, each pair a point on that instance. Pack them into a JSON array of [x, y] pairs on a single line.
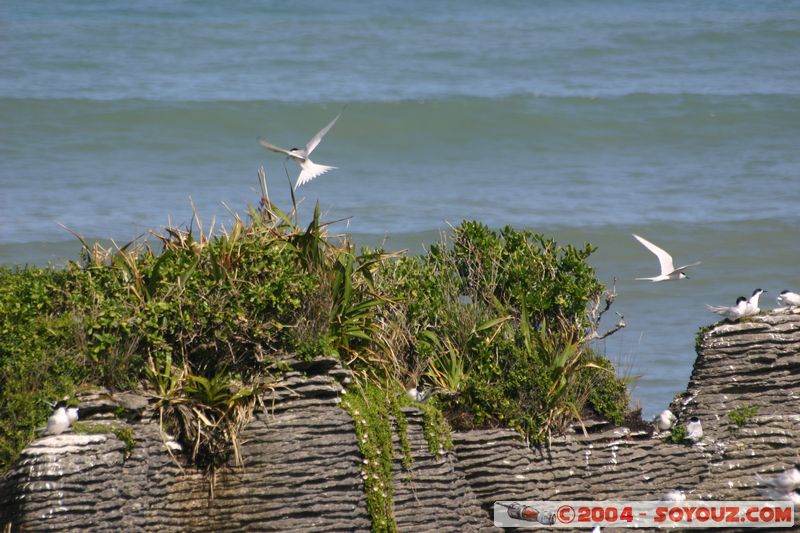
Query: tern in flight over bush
[[308, 169]]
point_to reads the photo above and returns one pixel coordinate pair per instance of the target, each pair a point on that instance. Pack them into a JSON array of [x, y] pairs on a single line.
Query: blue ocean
[[586, 121]]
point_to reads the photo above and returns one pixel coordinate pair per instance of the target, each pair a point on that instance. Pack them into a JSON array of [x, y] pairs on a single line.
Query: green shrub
[[608, 395], [495, 322], [40, 357], [499, 321], [677, 434]]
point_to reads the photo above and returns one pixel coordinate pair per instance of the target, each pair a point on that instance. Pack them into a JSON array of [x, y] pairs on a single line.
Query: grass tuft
[[742, 415]]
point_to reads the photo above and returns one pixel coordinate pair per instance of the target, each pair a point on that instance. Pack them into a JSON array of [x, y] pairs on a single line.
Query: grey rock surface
[[432, 495], [302, 464], [303, 475]]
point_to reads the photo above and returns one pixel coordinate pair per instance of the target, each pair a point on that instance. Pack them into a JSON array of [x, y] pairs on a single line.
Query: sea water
[[586, 121]]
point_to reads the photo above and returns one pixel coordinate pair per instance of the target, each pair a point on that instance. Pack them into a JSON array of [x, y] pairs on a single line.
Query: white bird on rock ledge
[[58, 422], [665, 420], [731, 313], [752, 303], [694, 430], [674, 495], [419, 395], [788, 298], [788, 480], [782, 487]]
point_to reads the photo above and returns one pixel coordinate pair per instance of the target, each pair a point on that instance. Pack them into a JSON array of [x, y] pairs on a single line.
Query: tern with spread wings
[[308, 169], [668, 272]]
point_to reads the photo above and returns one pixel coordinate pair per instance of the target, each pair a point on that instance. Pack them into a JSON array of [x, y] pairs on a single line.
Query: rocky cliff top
[[302, 465]]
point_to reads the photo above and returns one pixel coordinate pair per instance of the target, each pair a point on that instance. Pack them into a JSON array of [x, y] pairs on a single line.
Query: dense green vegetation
[[498, 324]]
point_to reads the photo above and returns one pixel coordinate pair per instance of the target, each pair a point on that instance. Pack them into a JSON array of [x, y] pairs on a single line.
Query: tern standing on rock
[[665, 420], [72, 415], [58, 421], [752, 303], [418, 395], [674, 495], [308, 169], [694, 430], [787, 480], [731, 313], [781, 487], [789, 298], [668, 271]]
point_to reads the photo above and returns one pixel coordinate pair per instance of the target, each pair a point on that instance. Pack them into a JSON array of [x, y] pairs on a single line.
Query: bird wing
[[310, 171], [664, 259], [318, 137], [687, 266], [268, 146]]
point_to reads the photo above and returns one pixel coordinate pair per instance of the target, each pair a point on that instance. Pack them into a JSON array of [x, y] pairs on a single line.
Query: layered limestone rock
[[432, 495], [753, 364], [302, 466], [301, 473]]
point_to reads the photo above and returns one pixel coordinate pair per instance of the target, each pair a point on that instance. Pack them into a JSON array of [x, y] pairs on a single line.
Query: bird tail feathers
[[311, 171]]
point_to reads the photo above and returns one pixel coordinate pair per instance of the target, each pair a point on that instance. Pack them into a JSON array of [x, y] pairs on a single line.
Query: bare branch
[[596, 314], [619, 325]]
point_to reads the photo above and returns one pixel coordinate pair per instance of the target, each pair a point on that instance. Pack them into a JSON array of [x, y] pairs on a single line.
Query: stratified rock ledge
[[302, 462]]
